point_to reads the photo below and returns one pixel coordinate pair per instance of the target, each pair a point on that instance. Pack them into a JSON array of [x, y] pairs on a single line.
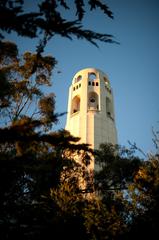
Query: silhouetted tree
[[31, 156], [144, 201], [45, 20]]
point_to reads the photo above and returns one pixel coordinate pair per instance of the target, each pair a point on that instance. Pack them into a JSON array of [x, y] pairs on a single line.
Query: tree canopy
[[46, 20]]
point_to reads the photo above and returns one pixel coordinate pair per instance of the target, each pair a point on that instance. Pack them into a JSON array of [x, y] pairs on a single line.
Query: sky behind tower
[[132, 66]]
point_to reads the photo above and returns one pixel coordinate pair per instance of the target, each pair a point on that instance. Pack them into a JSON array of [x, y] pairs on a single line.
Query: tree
[[46, 20], [30, 154], [117, 166], [144, 195], [102, 214]]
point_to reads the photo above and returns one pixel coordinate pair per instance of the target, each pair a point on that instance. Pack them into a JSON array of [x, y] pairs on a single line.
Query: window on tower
[[77, 79], [106, 81], [75, 105], [107, 84], [109, 108], [93, 101]]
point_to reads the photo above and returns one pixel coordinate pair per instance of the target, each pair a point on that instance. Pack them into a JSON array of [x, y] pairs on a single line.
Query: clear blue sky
[[132, 66]]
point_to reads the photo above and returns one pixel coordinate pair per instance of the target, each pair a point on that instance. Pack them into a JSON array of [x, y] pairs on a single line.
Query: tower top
[[90, 74], [91, 114]]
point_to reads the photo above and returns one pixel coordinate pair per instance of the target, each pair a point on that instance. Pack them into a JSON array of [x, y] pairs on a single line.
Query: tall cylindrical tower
[[90, 113]]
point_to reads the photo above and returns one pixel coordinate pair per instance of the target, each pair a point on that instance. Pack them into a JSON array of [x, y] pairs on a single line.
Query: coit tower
[[90, 114]]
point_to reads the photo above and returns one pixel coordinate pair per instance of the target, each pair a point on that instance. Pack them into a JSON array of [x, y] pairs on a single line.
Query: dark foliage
[[46, 20]]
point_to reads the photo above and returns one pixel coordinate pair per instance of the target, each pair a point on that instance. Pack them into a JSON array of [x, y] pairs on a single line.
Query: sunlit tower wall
[[90, 114]]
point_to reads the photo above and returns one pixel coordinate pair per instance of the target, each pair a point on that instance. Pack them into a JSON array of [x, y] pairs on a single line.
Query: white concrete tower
[[91, 108]]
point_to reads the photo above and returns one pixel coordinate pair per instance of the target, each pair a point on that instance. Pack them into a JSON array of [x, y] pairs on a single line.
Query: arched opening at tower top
[[92, 76], [75, 104], [78, 78]]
